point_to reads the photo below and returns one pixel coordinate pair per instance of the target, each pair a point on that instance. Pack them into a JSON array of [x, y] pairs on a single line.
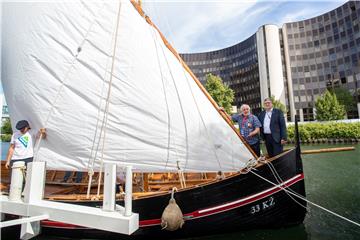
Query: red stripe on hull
[[203, 212], [53, 224], [246, 200]]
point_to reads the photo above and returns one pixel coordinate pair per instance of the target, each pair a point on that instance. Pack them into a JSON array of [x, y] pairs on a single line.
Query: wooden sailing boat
[[109, 88]]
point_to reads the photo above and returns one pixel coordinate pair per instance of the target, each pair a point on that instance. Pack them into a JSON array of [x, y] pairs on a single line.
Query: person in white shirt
[[21, 144], [273, 128]]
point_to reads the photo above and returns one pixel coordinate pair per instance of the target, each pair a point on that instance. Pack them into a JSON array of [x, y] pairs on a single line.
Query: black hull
[[241, 202]]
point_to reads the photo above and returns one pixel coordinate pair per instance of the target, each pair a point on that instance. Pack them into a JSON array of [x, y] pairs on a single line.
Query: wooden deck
[[144, 184]]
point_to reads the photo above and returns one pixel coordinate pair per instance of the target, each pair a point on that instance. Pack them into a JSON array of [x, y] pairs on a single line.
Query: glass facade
[[323, 53], [236, 65]]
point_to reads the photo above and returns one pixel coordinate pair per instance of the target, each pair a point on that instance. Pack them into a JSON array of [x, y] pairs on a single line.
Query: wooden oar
[[326, 150]]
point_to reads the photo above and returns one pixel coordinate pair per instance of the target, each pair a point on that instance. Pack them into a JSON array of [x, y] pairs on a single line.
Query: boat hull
[[239, 202]]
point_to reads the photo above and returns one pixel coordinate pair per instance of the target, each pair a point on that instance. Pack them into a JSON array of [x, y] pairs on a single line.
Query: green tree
[[328, 107], [345, 98], [6, 131], [6, 127], [223, 95], [277, 104]]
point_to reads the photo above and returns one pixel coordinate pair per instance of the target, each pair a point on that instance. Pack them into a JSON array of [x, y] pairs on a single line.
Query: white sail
[[102, 82]]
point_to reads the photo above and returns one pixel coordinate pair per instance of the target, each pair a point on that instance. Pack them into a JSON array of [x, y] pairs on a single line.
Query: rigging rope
[[279, 180], [181, 176], [92, 158], [306, 200], [106, 112], [37, 146], [98, 118]]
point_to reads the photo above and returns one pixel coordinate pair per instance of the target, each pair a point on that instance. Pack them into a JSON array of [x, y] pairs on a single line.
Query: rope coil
[[249, 166]]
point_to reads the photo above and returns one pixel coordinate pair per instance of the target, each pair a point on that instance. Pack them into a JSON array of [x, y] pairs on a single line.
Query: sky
[[204, 25]]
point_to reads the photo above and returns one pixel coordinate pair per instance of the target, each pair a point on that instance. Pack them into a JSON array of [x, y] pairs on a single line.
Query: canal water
[[332, 181]]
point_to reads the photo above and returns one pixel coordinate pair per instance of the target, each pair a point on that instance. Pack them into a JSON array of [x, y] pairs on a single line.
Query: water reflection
[[293, 233]]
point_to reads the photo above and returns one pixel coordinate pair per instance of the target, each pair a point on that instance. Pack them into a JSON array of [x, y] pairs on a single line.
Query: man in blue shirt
[[249, 126]]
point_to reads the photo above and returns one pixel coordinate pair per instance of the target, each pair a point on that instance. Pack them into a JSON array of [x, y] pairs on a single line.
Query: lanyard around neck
[[268, 114]]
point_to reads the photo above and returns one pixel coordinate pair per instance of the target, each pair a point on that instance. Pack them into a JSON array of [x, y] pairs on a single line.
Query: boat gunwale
[[163, 193]]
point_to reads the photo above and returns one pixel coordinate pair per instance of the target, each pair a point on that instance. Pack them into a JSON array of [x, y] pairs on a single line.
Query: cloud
[[198, 26], [306, 10], [193, 20], [292, 17], [223, 25]]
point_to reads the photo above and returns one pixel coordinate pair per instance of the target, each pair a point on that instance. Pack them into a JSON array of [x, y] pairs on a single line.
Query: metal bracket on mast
[[35, 208]]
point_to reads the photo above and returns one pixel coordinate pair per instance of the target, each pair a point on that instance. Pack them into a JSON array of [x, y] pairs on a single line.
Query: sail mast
[[138, 7]]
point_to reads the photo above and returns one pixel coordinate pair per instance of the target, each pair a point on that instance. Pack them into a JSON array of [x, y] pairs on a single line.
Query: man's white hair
[[245, 105]]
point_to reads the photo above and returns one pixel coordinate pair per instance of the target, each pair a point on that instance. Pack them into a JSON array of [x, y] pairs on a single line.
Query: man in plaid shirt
[[249, 126]]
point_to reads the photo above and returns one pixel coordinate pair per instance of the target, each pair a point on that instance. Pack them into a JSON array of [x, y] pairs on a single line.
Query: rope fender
[[172, 217]]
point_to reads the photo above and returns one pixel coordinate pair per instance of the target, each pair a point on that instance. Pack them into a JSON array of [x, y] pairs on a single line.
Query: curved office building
[[236, 65], [295, 63]]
